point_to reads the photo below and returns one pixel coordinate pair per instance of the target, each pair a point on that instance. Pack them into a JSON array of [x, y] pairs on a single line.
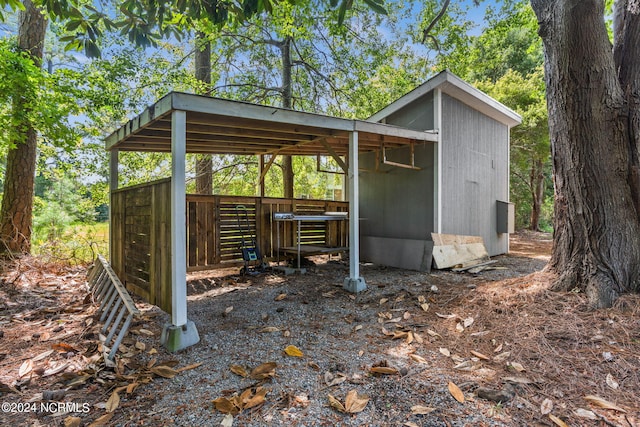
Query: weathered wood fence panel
[[141, 240], [140, 233], [216, 227]]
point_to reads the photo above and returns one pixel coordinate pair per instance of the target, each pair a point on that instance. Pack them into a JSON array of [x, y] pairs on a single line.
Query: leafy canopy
[[146, 22]]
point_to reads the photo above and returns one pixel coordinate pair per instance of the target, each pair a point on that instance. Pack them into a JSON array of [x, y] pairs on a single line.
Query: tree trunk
[[204, 162], [596, 244], [536, 182], [287, 102], [17, 202]]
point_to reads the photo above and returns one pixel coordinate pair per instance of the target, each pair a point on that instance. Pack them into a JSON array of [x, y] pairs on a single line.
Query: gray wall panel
[[475, 150], [397, 202], [417, 116]]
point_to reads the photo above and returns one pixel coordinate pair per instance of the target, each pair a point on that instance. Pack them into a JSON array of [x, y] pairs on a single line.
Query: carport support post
[[181, 333], [354, 283]]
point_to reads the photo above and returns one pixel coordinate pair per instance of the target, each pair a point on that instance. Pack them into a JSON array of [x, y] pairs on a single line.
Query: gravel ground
[[495, 348], [340, 335]]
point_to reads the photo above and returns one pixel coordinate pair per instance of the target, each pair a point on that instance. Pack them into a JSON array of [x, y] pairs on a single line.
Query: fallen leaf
[[421, 299], [424, 306], [498, 349], [152, 351], [459, 327], [72, 422], [239, 370], [263, 371], [257, 399], [383, 370], [293, 351], [228, 310], [444, 351], [399, 334], [433, 333], [421, 410], [189, 367], [418, 358], [332, 380], [611, 382], [102, 421], [269, 329], [517, 366], [25, 368], [546, 407], [355, 403], [418, 338], [55, 370], [64, 347], [383, 300], [335, 404], [585, 413], [113, 402], [598, 401], [227, 421], [557, 421], [409, 339], [140, 346], [410, 424], [480, 355], [280, 297], [468, 322], [164, 371], [146, 332], [42, 356], [447, 316], [456, 392], [406, 315], [226, 406], [132, 387], [45, 337]]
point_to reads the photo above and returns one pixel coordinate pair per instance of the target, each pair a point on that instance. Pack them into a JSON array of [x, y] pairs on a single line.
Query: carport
[[181, 123]]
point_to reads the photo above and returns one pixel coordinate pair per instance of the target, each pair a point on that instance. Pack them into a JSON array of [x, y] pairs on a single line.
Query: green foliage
[[32, 97]]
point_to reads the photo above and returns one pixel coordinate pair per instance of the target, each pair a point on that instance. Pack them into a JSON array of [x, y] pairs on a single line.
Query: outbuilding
[[457, 185], [435, 161]]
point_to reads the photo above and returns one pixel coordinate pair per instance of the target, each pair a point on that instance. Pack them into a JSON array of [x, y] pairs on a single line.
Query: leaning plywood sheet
[[454, 239], [467, 253]]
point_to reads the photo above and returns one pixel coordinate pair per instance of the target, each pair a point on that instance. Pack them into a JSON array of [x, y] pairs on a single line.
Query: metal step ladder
[[116, 306]]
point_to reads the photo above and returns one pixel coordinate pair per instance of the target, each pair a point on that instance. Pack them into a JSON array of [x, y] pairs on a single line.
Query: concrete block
[[175, 338], [354, 285]]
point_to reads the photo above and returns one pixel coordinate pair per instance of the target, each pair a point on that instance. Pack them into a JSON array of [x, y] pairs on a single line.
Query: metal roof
[[220, 126]]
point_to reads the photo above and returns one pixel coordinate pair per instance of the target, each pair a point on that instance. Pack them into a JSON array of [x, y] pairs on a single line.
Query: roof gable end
[[457, 88]]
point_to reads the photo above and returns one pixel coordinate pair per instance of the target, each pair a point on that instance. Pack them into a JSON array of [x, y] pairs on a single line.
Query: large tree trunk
[[204, 162], [597, 231], [17, 201], [287, 102], [536, 182]]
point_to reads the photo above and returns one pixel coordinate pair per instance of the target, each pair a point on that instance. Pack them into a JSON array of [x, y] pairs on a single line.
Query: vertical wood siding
[[475, 157]]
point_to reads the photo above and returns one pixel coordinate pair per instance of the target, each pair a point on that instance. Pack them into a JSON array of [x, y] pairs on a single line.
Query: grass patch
[[77, 244]]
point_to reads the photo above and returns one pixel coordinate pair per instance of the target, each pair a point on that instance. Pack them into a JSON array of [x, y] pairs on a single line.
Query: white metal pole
[[178, 219], [354, 283]]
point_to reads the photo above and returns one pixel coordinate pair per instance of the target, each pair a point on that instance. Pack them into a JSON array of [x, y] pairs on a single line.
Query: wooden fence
[[216, 227], [140, 233]]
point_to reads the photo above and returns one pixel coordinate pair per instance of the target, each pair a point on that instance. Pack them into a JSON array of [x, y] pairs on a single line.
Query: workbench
[[301, 249]]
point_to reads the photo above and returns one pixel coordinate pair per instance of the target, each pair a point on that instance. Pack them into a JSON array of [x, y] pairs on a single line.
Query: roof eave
[[454, 86]]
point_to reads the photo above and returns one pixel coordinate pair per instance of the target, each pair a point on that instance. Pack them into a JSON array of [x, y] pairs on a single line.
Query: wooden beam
[[335, 156], [266, 168]]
